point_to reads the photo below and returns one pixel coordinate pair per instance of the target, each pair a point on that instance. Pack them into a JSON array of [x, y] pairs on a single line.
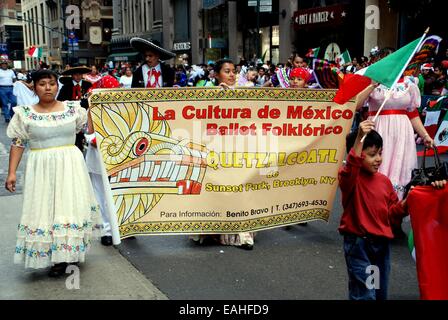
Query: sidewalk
[[106, 275]]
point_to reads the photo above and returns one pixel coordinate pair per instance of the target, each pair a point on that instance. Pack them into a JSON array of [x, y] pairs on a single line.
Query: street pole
[[257, 38]]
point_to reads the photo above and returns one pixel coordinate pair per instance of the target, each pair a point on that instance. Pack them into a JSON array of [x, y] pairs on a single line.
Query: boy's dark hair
[[373, 139], [43, 74]]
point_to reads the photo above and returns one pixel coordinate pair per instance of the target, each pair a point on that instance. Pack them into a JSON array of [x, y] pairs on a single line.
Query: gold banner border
[[100, 96]]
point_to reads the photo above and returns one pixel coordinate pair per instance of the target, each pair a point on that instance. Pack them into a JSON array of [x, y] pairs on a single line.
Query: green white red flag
[[387, 71], [35, 52]]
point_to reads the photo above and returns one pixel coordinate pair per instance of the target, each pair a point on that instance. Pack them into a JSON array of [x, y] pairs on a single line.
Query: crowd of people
[[63, 205]]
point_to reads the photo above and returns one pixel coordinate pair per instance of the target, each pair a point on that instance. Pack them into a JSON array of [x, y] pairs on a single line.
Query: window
[[157, 11]]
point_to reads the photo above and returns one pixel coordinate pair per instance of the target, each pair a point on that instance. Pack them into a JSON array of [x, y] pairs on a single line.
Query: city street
[[301, 263]]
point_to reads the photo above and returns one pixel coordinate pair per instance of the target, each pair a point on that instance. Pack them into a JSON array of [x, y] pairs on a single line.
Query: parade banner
[[214, 161]]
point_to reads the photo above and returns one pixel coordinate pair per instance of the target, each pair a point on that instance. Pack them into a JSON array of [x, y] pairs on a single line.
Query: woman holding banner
[[225, 71]]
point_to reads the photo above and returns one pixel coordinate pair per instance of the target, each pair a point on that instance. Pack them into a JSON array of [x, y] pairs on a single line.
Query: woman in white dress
[[60, 214]]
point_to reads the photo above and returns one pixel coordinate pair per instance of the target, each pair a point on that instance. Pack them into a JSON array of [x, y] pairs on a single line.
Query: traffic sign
[[265, 8]]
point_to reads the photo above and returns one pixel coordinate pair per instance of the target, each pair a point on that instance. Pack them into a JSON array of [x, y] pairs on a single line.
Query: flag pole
[[389, 91]]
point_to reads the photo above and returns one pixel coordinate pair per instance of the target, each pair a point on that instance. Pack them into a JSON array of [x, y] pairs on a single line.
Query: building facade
[[11, 32], [67, 32], [206, 30]]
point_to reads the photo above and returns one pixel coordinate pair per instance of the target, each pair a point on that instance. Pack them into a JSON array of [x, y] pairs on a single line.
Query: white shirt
[[75, 83], [158, 68], [126, 81], [25, 96], [7, 77]]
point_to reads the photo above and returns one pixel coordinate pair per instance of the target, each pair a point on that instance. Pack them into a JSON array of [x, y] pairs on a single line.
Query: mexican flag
[[436, 127], [386, 71], [427, 209], [313, 53], [35, 52], [343, 58], [441, 137]]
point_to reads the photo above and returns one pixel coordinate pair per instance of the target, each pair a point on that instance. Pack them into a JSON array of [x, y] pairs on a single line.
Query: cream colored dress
[[60, 214]]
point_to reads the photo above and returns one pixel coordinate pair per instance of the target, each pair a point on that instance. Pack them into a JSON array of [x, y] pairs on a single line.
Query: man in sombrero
[[75, 89], [153, 73]]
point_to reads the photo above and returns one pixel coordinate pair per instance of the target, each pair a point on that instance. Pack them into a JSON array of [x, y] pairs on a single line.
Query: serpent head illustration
[[142, 159]]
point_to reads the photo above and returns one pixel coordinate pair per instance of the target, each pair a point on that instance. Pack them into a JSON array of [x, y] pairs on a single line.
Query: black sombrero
[[75, 70], [142, 45], [65, 79]]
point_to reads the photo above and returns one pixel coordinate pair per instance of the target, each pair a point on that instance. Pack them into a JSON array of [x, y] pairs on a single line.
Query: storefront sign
[[318, 17], [182, 46]]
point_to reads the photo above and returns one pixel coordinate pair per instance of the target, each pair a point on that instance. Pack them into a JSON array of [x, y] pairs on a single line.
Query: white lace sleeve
[[17, 129]]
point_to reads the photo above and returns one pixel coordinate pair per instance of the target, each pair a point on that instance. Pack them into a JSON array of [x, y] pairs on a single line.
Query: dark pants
[[368, 262]]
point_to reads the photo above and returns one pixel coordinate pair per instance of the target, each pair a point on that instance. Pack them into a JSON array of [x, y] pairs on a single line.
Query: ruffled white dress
[[60, 214]]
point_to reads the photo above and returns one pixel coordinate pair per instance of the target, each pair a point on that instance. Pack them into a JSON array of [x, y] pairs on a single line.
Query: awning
[[123, 56]]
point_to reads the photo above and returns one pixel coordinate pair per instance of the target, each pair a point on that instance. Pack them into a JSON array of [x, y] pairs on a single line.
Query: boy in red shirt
[[369, 203]]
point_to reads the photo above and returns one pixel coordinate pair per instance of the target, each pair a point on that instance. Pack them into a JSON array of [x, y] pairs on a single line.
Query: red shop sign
[[320, 17]]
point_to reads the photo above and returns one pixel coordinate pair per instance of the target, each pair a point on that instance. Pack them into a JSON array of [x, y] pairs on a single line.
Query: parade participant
[[247, 77], [206, 80], [94, 167], [76, 90], [440, 80], [428, 77], [396, 124], [370, 204], [23, 91], [225, 71], [153, 73], [126, 79], [60, 214], [262, 76], [281, 75], [7, 98], [298, 78], [93, 76]]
